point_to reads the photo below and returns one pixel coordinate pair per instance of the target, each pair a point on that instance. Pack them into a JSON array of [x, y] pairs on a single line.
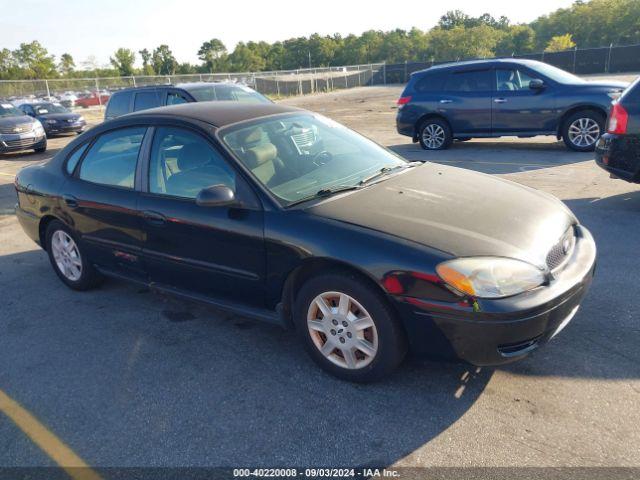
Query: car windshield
[[8, 110], [44, 108], [302, 156], [556, 74], [238, 93]]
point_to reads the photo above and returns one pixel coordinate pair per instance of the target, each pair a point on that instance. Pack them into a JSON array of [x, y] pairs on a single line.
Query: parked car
[[618, 150], [92, 99], [283, 215], [19, 131], [143, 98], [503, 97], [55, 118], [68, 99]]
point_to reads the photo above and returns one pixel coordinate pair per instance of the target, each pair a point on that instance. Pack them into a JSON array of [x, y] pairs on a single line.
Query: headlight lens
[[37, 127], [490, 277], [80, 118]]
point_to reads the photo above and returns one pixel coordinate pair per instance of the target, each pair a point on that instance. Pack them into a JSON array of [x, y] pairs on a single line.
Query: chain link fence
[[276, 83]]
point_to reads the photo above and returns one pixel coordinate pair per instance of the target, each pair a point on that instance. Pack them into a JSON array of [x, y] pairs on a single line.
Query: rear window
[[632, 92], [118, 104], [430, 83], [468, 81], [145, 100]]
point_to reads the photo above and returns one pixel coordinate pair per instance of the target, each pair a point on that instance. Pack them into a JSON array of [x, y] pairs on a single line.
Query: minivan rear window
[[430, 82], [118, 104], [145, 100], [468, 81]]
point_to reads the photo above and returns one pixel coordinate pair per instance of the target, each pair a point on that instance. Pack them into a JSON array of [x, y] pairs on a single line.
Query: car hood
[[16, 120], [609, 84], [59, 116], [457, 211]]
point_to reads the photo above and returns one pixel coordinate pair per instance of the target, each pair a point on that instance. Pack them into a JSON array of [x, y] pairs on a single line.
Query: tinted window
[[632, 92], [240, 93], [511, 79], [145, 100], [174, 98], [8, 110], [468, 81], [430, 83], [112, 158], [74, 158], [183, 163], [118, 104]]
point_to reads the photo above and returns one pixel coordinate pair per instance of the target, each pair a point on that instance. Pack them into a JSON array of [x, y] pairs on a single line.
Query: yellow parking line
[[55, 448]]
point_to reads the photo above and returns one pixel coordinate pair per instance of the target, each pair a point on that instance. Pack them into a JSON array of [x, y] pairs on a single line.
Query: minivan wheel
[[582, 130], [348, 329], [435, 134], [67, 259]]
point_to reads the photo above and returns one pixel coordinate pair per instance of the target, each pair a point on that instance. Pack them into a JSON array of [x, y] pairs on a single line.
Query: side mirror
[[536, 84], [216, 196]]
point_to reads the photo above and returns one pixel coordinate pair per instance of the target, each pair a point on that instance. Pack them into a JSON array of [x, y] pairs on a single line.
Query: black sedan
[[55, 118], [618, 150], [286, 216]]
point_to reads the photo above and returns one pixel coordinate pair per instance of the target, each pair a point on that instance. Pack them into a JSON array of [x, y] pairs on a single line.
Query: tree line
[[456, 36]]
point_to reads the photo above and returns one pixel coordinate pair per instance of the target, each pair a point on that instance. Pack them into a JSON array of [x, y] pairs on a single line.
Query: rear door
[[518, 108], [465, 101], [100, 199]]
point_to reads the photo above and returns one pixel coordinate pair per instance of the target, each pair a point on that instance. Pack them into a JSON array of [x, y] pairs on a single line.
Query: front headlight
[[37, 127], [52, 122], [490, 277], [80, 119]]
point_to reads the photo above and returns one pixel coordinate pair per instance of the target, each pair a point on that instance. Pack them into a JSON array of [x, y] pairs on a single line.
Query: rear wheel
[[348, 328], [435, 134], [582, 130], [67, 259]]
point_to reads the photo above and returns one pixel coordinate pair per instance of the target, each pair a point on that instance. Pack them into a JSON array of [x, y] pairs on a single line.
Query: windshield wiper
[[326, 192], [386, 170]]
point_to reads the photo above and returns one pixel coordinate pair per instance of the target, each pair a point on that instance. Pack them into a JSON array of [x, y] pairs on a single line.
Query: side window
[[145, 100], [469, 81], [510, 79], [112, 159], [174, 98], [182, 163], [118, 104], [430, 83], [74, 158]]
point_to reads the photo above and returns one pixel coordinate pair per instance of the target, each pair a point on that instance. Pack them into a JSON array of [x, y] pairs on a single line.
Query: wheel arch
[[577, 108], [428, 116], [315, 266], [42, 229]]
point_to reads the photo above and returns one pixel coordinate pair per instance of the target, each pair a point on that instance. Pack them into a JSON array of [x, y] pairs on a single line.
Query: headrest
[[250, 135], [260, 154], [193, 155]]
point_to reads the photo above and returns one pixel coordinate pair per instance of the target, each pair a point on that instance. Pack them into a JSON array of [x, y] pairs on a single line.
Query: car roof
[[472, 63], [169, 85], [218, 114], [204, 84]]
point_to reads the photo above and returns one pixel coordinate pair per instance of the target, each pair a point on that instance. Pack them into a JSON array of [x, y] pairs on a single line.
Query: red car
[[91, 99]]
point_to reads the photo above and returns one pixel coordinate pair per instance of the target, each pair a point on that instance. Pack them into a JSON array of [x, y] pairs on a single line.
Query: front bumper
[[620, 156], [15, 143], [63, 127], [493, 332]]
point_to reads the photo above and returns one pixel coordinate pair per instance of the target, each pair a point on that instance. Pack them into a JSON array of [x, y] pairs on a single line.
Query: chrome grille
[[25, 142], [561, 251], [13, 129]]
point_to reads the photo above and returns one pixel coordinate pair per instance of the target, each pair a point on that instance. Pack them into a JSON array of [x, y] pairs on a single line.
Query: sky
[[98, 28]]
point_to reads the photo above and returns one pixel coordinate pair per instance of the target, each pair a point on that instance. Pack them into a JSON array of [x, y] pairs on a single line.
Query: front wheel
[[348, 328], [581, 130], [67, 259], [41, 149], [435, 134]]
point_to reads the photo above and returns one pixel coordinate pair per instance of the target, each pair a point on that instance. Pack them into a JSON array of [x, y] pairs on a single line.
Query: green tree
[[211, 53], [560, 43], [147, 69], [518, 39], [66, 65], [35, 60], [245, 58], [163, 61], [123, 60], [459, 42]]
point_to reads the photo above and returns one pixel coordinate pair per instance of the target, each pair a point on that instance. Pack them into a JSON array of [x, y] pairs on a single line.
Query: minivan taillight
[[404, 100], [617, 119]]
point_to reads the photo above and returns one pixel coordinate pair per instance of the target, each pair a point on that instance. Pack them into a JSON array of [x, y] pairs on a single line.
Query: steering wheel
[[321, 158]]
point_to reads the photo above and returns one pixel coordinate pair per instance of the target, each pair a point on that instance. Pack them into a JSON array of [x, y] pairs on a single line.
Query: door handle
[[446, 100], [154, 218], [500, 100], [70, 201]]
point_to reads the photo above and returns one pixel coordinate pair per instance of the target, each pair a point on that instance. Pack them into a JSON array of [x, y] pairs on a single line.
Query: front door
[[518, 108], [218, 251], [99, 200]]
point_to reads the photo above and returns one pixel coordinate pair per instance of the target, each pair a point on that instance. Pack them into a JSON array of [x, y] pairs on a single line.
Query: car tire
[[382, 338], [41, 149], [435, 134], [581, 130], [68, 260]]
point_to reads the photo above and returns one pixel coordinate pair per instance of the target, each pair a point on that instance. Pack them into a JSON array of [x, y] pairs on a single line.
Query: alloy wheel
[[584, 132], [433, 136], [66, 255], [342, 330]]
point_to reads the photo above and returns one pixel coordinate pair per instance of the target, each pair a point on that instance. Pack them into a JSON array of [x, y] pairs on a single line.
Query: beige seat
[[259, 156]]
